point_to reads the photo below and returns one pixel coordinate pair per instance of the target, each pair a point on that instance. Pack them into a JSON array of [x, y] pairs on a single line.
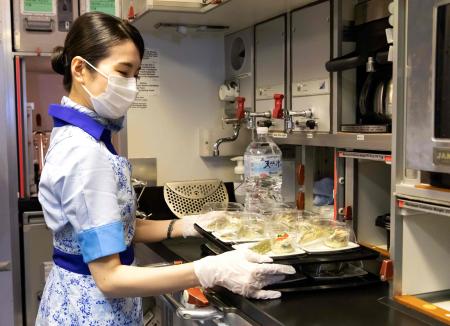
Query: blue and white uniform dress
[[89, 204]]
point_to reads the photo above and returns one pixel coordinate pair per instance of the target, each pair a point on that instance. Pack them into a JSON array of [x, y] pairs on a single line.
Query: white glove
[[241, 272], [190, 220]]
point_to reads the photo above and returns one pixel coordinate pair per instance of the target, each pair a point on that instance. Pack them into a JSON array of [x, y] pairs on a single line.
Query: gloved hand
[[242, 272], [190, 220]]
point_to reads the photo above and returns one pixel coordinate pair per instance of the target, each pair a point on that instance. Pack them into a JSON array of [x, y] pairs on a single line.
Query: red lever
[[387, 270], [131, 13], [240, 111], [300, 174], [300, 200], [348, 213], [277, 112]]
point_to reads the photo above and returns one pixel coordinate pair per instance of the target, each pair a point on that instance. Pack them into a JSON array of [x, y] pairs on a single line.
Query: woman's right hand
[[243, 272]]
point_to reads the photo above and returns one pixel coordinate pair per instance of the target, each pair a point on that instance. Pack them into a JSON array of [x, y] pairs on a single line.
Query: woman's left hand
[[189, 221]]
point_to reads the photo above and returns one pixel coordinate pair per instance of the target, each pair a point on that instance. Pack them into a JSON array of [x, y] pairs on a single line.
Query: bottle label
[[263, 166]]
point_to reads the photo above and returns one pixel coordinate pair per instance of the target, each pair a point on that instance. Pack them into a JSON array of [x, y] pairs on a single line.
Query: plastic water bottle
[[262, 171]]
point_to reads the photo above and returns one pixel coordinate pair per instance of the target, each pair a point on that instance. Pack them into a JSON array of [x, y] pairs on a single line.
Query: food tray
[[225, 240], [320, 248], [347, 270], [359, 253], [296, 252], [309, 284]]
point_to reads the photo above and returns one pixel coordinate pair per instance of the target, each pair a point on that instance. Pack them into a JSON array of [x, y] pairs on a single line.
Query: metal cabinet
[[37, 250], [239, 65], [270, 64], [41, 25], [310, 49]]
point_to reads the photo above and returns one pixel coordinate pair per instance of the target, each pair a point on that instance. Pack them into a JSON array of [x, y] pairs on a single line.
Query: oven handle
[[5, 266], [207, 313]]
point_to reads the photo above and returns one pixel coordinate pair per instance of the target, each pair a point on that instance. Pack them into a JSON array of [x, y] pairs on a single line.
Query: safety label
[[148, 83]]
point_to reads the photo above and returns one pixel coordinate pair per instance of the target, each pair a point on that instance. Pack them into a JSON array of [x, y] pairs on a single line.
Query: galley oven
[[427, 82]]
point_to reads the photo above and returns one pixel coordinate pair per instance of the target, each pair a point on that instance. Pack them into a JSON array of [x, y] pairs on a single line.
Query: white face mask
[[117, 98]]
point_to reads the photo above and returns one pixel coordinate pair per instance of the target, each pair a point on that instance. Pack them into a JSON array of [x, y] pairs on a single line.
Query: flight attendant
[[89, 203]]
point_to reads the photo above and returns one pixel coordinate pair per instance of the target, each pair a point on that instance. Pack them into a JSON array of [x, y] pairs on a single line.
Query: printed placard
[[38, 7], [106, 6]]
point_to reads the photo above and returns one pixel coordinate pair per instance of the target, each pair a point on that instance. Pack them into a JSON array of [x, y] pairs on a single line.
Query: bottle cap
[[262, 130]]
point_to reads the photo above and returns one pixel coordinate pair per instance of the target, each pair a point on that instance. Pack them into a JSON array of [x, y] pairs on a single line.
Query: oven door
[[427, 85]]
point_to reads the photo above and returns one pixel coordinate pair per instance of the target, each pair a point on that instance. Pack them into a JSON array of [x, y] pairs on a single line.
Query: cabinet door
[[39, 26], [270, 63], [311, 49], [37, 246]]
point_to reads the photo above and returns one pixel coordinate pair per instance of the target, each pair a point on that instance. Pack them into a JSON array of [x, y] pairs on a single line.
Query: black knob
[[264, 123], [311, 124]]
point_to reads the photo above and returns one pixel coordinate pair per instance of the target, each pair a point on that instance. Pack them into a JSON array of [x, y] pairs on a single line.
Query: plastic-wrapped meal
[[219, 223], [289, 217], [262, 247], [250, 232], [225, 222], [338, 239], [308, 232], [227, 234], [282, 245]]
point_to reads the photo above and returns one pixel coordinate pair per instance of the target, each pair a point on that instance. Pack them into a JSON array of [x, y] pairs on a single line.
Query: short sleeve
[[89, 202]]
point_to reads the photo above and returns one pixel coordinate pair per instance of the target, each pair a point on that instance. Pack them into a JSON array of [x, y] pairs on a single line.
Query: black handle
[[38, 25], [346, 62]]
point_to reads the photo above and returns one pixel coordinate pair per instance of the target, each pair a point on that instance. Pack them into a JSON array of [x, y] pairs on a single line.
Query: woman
[[89, 204]]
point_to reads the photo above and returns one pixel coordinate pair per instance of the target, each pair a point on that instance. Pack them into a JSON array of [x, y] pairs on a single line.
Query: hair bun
[[59, 60]]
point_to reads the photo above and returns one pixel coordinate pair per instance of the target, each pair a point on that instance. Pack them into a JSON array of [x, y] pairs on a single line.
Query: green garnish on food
[[262, 247]]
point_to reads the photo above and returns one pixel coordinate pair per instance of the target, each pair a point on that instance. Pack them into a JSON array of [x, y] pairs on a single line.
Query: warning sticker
[[148, 83]]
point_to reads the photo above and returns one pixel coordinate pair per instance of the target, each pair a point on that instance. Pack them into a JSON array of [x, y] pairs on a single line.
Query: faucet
[[307, 113], [240, 114], [236, 129], [250, 118]]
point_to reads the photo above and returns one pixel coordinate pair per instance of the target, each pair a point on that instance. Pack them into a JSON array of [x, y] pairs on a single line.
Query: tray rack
[[300, 281]]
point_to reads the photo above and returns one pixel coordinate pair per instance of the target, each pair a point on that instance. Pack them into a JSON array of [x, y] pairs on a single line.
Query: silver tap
[[250, 118], [289, 120], [236, 128]]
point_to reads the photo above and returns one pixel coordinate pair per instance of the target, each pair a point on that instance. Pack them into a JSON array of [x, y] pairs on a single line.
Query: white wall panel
[[191, 70]]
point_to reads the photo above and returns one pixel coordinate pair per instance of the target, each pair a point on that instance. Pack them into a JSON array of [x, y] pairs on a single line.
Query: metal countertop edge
[[237, 301]]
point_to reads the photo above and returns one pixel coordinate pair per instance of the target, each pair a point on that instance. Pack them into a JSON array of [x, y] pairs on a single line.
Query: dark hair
[[91, 37]]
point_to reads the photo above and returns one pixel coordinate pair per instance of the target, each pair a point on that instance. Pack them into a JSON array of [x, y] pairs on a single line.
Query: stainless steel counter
[[366, 305]]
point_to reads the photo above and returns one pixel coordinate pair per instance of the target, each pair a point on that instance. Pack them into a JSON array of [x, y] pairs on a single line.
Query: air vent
[[184, 28], [198, 6]]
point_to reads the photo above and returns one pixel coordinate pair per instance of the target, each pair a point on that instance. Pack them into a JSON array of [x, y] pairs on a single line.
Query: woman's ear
[[77, 68]]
